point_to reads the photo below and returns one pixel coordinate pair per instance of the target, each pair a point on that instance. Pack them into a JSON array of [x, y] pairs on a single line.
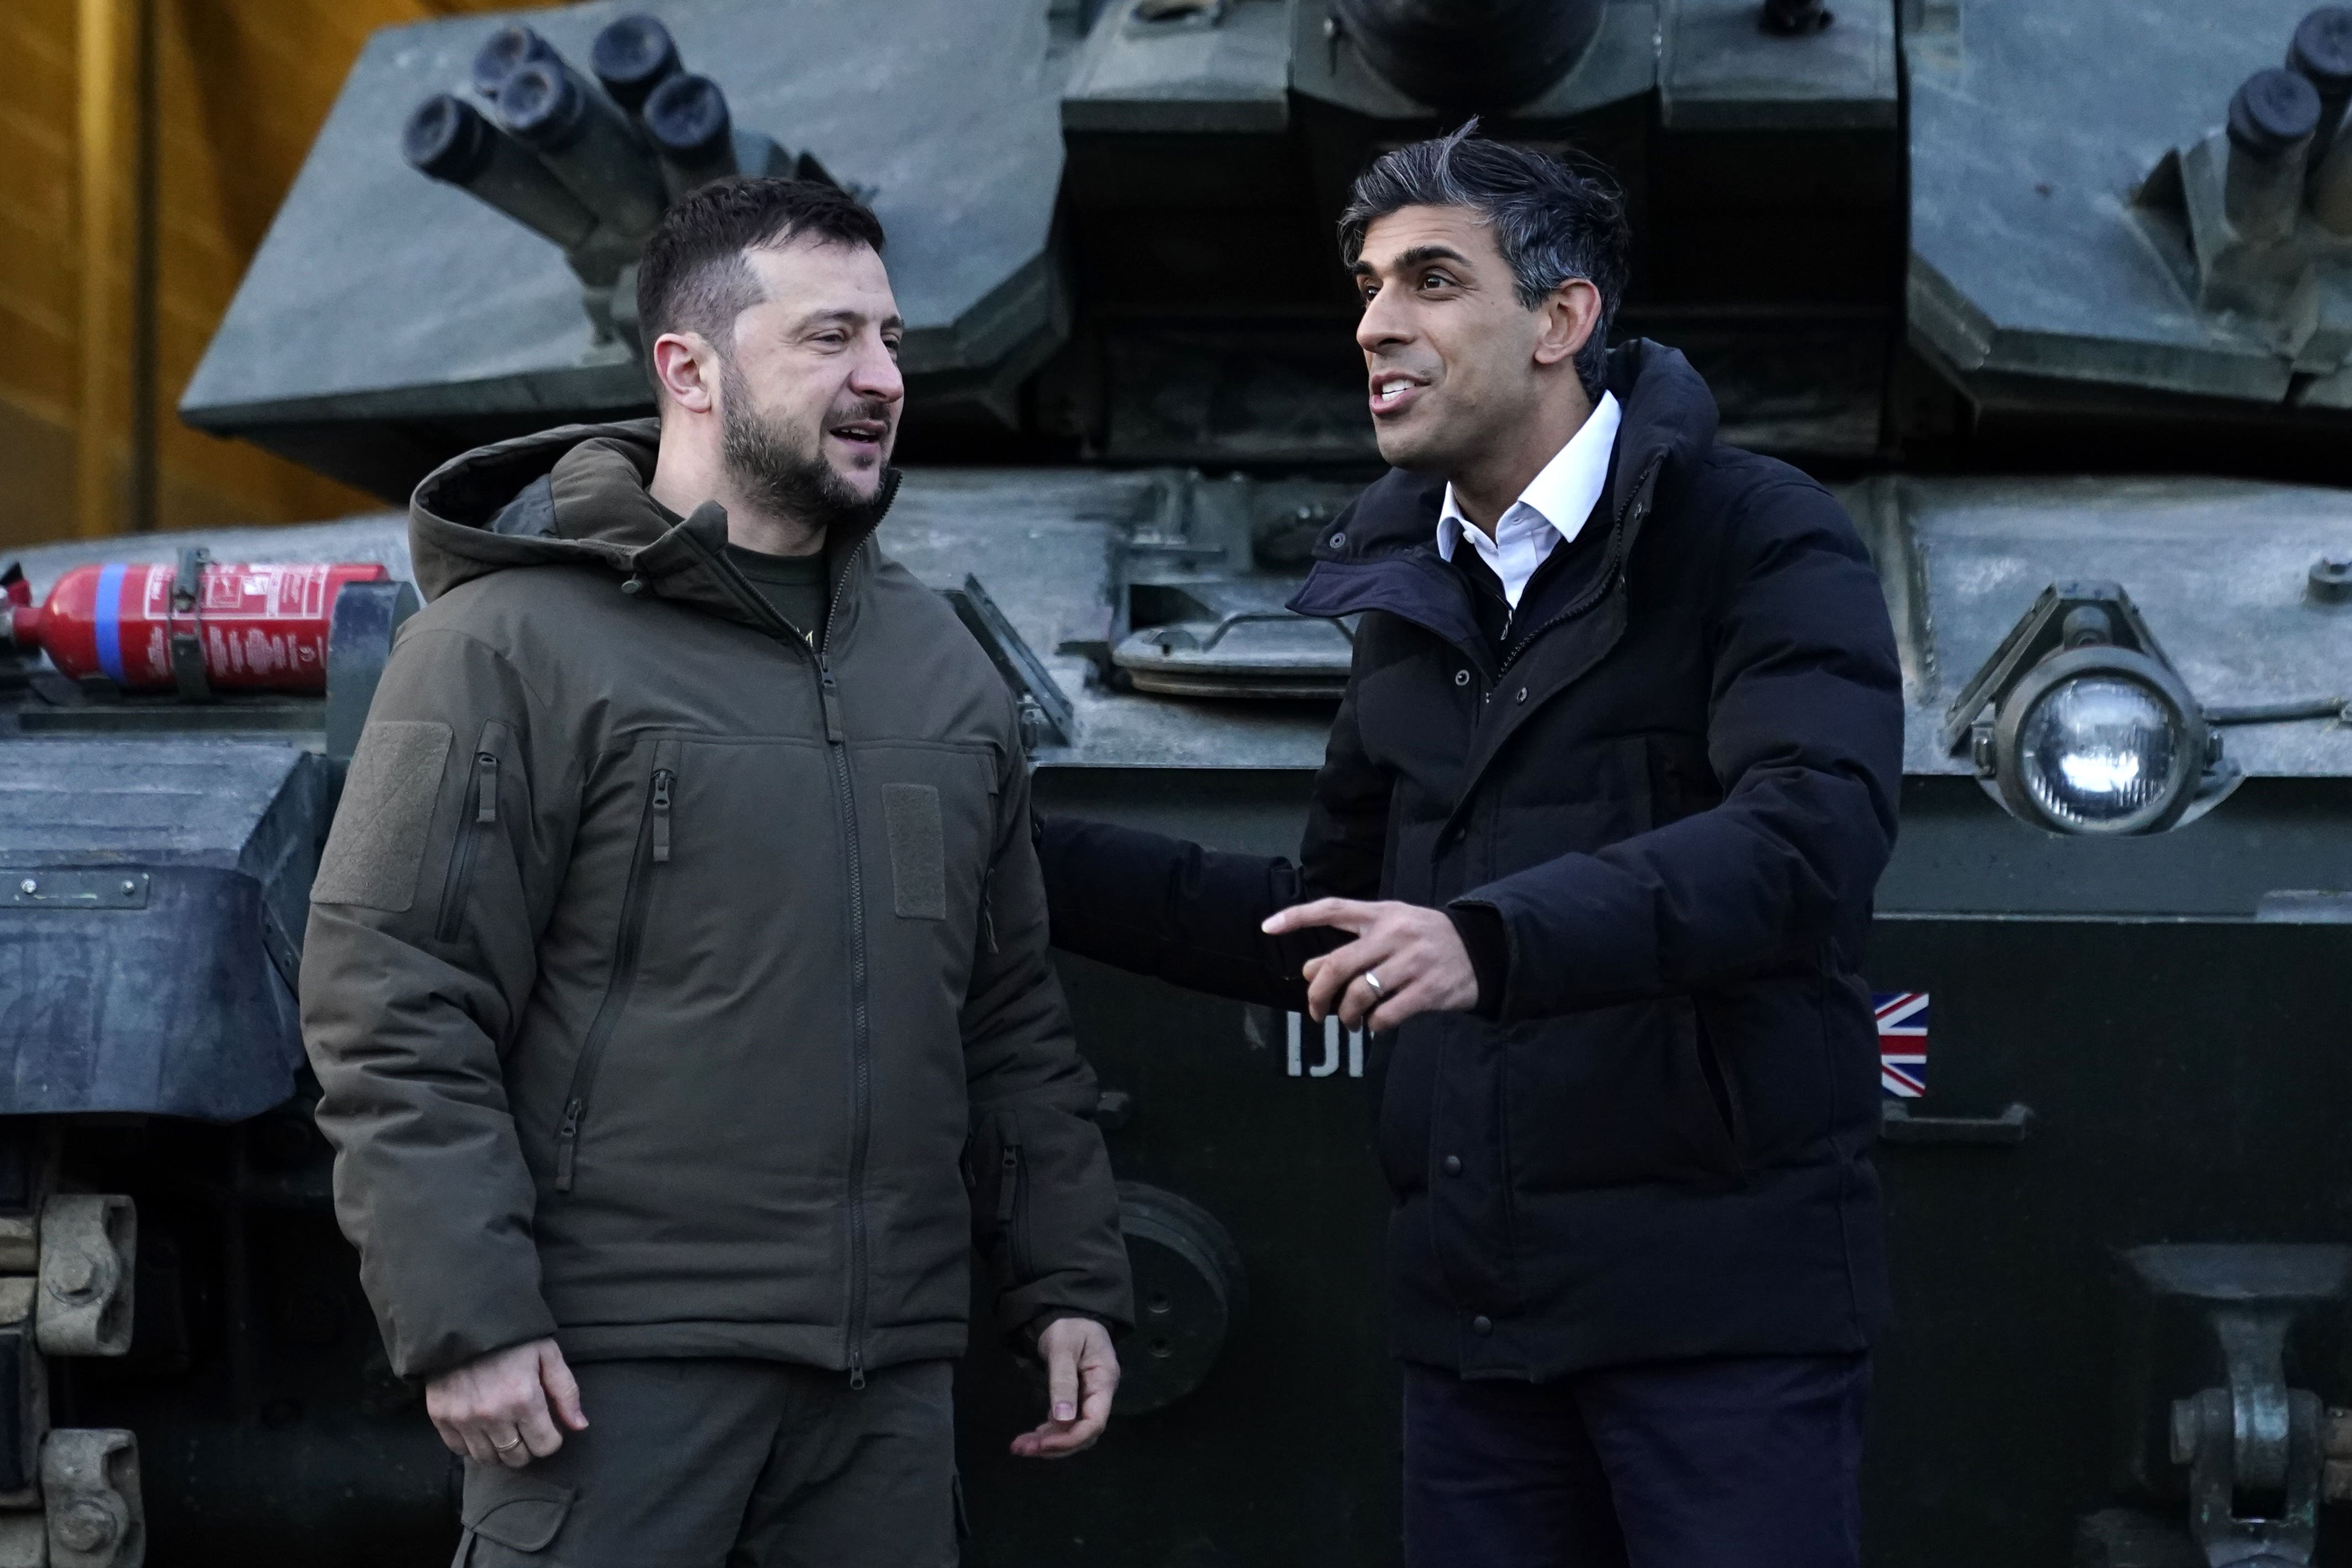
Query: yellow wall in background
[[242, 87]]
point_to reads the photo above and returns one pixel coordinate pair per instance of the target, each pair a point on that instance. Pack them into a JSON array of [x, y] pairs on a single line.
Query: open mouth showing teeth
[[1391, 391], [862, 433]]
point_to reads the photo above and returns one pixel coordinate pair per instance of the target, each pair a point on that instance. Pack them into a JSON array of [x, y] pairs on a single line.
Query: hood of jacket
[[577, 496], [1667, 422]]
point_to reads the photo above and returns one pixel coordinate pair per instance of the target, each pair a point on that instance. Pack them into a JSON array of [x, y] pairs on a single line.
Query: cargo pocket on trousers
[[508, 1511]]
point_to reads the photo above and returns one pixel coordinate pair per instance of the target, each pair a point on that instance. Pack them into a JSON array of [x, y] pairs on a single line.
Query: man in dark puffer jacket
[[1601, 813]]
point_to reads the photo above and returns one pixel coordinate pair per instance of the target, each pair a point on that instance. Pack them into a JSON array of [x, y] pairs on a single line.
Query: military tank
[[2059, 297]]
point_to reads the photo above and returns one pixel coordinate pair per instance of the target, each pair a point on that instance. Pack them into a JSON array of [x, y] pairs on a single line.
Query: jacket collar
[[1381, 552], [577, 496], [1563, 495]]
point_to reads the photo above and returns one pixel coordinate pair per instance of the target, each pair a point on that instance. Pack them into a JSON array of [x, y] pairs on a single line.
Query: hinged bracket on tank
[[1046, 716], [90, 1247], [90, 1482], [2216, 1340], [1198, 595]]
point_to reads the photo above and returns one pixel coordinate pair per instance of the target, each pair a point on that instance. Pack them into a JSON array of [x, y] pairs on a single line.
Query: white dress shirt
[[1552, 508]]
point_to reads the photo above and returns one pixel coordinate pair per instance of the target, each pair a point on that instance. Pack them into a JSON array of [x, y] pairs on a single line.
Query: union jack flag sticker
[[1902, 1042]]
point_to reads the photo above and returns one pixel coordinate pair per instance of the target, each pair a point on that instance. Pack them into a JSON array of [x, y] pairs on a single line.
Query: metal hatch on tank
[[1978, 265]]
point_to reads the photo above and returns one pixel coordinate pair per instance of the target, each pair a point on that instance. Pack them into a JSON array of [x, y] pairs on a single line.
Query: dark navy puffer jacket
[[1658, 815]]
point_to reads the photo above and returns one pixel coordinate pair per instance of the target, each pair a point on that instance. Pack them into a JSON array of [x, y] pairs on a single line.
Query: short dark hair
[[1551, 222], [693, 277]]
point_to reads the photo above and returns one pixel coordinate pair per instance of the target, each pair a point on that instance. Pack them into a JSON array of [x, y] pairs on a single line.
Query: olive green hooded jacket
[[678, 988]]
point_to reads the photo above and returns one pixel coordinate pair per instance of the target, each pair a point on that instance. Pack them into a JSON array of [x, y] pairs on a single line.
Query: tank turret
[[1469, 55], [400, 291]]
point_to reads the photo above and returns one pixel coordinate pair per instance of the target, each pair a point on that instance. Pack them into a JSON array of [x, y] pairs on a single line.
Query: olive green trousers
[[731, 1464]]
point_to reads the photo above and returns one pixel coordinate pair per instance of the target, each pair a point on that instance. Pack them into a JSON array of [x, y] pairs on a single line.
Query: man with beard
[[1591, 853], [677, 976]]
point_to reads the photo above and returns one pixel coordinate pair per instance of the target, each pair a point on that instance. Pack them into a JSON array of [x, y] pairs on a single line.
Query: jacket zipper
[[461, 866], [1602, 585], [626, 948], [1013, 1209], [861, 1053], [1613, 572], [853, 861]]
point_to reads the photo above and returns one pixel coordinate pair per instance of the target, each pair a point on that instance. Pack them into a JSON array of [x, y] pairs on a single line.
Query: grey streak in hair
[[1552, 223]]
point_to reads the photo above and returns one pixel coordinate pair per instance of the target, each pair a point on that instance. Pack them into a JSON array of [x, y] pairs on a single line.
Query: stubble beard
[[776, 470]]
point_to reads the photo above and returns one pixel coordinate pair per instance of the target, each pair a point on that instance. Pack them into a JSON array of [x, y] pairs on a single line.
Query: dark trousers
[[731, 1464], [1731, 1463]]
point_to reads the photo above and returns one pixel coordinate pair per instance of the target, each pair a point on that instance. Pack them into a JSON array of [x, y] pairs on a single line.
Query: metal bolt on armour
[[76, 1277], [85, 1525]]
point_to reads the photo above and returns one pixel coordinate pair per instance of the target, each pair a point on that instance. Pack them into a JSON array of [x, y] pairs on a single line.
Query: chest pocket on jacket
[[742, 864], [928, 813], [919, 866], [495, 787]]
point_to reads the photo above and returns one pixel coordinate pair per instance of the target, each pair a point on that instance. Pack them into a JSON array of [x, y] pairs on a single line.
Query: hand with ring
[[1427, 968], [507, 1407]]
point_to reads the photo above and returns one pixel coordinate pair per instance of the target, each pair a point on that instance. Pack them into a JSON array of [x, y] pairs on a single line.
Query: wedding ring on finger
[[1380, 992], [508, 1448]]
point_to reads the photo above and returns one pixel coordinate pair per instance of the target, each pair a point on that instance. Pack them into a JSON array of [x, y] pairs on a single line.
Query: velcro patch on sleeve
[[377, 845], [919, 866]]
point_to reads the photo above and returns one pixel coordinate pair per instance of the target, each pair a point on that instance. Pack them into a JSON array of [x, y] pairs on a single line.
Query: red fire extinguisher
[[196, 626]]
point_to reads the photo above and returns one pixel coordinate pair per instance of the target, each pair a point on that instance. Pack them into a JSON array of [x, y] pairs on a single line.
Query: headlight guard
[[2091, 730]]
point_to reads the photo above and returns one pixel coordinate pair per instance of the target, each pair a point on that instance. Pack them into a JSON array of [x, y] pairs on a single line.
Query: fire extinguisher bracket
[[188, 639]]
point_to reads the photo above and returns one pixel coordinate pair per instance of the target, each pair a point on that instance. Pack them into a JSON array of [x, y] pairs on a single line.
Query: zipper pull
[[486, 769], [567, 1140], [1008, 1186], [661, 814], [988, 908], [832, 696], [856, 1368]]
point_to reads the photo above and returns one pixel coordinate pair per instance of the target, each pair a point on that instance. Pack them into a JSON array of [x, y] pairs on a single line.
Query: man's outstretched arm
[[1166, 907], [1169, 907]]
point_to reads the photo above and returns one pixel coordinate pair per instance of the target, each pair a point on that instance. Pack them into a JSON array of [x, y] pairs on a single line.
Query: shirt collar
[[1562, 494]]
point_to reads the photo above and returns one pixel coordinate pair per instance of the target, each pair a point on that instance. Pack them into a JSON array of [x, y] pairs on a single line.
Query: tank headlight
[[2099, 741], [2091, 730]]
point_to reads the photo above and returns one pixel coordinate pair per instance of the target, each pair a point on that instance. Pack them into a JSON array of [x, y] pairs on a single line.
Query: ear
[[686, 368], [1569, 317]]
